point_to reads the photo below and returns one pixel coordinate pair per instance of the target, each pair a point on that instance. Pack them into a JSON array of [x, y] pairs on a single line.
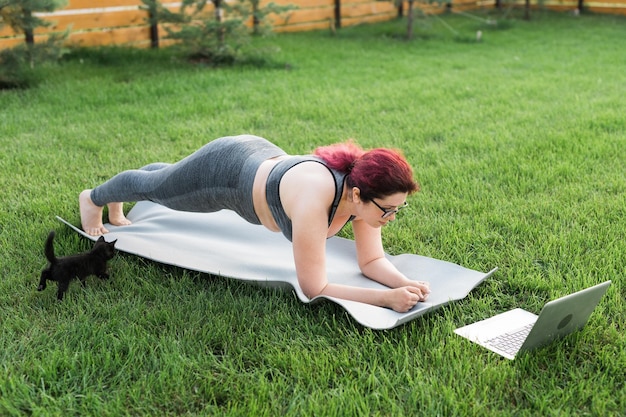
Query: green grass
[[518, 142]]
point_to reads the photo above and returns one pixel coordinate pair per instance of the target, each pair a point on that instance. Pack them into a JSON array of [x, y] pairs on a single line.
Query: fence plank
[[296, 17], [10, 42], [302, 4], [90, 4], [132, 36], [102, 20]]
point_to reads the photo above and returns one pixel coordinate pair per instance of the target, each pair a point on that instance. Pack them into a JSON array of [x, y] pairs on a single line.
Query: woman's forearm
[[384, 272], [377, 297], [399, 299]]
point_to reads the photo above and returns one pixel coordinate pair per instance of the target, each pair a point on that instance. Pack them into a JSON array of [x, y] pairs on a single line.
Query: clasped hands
[[406, 297]]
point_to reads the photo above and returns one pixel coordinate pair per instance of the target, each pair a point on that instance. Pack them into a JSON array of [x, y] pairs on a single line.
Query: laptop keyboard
[[511, 342]]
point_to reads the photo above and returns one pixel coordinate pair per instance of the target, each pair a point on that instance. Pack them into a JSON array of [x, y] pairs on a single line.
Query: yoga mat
[[223, 244]]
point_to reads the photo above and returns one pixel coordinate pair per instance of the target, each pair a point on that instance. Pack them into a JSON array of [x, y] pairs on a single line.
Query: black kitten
[[63, 270]]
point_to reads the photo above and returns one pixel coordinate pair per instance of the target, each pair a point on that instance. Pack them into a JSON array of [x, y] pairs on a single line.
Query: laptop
[[519, 330]]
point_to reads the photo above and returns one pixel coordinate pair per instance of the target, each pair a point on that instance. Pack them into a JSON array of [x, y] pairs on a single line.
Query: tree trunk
[[154, 27], [218, 18], [255, 17], [28, 28], [409, 27]]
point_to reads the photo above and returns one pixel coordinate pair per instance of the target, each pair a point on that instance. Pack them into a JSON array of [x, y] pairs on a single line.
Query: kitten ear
[[113, 242], [101, 239]]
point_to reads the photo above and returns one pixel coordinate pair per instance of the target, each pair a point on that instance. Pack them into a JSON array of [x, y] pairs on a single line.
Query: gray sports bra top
[[273, 195]]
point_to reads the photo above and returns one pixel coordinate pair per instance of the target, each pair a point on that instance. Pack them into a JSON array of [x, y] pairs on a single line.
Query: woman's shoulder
[[308, 184], [310, 172]]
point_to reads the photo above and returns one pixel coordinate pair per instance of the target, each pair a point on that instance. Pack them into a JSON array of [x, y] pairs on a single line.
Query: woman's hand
[[423, 286], [403, 299]]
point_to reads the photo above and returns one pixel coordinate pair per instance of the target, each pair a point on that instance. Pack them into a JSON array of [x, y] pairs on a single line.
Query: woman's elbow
[[312, 291], [366, 267]]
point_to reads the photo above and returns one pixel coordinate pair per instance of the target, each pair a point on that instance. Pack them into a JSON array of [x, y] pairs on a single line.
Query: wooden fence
[[124, 22]]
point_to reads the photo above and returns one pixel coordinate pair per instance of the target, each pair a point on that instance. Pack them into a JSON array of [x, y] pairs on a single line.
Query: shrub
[[18, 65], [219, 37]]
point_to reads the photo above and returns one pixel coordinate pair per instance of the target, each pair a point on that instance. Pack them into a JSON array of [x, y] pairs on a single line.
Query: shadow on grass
[[165, 58]]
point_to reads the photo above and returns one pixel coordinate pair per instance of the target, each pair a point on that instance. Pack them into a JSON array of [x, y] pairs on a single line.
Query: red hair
[[377, 173]]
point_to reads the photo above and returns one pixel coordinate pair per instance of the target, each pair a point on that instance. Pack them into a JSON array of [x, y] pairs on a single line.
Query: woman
[[308, 198]]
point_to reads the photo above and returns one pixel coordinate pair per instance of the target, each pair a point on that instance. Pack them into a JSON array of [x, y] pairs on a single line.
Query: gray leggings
[[217, 176]]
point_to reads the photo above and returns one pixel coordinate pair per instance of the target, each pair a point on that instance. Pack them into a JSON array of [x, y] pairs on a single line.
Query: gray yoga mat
[[224, 244]]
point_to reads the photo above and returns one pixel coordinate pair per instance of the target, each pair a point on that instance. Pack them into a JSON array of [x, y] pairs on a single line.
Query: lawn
[[518, 142]]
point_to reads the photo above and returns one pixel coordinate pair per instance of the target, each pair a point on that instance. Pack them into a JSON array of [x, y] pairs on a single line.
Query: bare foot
[[116, 214], [90, 215]]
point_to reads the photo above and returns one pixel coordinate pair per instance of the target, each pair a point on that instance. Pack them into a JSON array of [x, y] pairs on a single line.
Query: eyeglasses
[[388, 212]]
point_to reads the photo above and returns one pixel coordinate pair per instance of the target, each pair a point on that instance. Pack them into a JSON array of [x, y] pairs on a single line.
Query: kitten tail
[[49, 249]]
